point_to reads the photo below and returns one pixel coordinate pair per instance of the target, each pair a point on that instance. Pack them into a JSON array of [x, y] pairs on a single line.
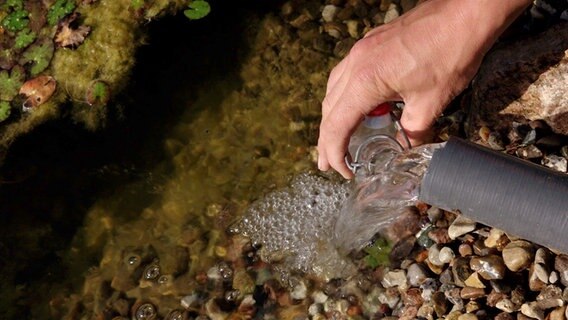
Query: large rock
[[527, 79]]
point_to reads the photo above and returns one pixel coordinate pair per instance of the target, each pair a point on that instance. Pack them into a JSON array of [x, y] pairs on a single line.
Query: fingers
[[335, 131], [417, 120]]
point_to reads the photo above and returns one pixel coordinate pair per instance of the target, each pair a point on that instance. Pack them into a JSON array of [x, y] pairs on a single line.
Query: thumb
[[418, 117]]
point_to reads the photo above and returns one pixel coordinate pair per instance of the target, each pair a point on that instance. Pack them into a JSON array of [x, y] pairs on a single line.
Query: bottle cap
[[380, 110]]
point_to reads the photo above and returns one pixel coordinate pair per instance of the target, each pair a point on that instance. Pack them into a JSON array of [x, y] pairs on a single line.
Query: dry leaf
[[70, 34], [37, 91]]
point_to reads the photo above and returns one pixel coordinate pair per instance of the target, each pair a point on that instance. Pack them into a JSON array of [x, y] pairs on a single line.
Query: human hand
[[424, 58]]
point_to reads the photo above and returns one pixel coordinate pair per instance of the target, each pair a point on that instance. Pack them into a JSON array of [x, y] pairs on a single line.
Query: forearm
[[492, 17]]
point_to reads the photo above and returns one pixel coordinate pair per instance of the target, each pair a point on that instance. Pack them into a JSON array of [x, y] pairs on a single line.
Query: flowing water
[[155, 195]]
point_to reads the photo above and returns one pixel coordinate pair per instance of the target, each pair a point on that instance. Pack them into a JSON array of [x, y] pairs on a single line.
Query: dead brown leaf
[[37, 91], [70, 34]]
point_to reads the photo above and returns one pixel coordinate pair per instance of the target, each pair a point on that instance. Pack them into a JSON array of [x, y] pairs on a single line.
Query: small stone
[[446, 255], [314, 309], [425, 311], [557, 314], [561, 266], [504, 316], [494, 297], [429, 286], [474, 281], [439, 235], [416, 275], [329, 12], [465, 250], [434, 255], [412, 297], [553, 277], [461, 271], [467, 316], [490, 267], [392, 13], [518, 255], [493, 238], [343, 47], [299, 289], [440, 303], [471, 293], [555, 162], [506, 305], [389, 297], [549, 303], [319, 297], [532, 310], [530, 138], [454, 315], [394, 279], [529, 152], [460, 226], [353, 28], [535, 284], [434, 214], [472, 306], [446, 277]]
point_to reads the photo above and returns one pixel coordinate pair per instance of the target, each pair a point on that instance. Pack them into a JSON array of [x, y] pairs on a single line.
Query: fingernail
[[320, 165]]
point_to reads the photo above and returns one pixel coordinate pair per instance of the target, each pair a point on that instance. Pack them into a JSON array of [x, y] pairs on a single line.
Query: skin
[[425, 58]]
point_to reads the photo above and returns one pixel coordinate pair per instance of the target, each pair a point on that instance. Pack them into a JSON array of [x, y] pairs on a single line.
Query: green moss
[[25, 38], [197, 9], [39, 55], [59, 10], [16, 4], [16, 21], [10, 83], [4, 110], [137, 4]]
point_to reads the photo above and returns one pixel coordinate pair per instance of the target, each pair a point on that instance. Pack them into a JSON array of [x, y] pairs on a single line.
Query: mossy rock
[[106, 55]]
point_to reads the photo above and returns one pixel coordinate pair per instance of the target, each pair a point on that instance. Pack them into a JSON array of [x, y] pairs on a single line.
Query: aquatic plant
[[197, 9], [377, 253]]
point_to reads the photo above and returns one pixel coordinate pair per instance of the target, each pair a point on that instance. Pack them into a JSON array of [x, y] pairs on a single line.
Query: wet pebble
[[329, 12], [395, 278], [532, 310], [493, 239], [506, 305], [529, 152], [474, 281], [518, 255], [561, 266], [555, 162], [416, 275], [446, 255], [465, 250], [490, 267], [299, 289], [392, 13], [460, 226], [471, 293]]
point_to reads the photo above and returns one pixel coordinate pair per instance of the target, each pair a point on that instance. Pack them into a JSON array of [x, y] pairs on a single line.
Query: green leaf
[[16, 21], [98, 94], [5, 110], [197, 9], [10, 83], [40, 55], [59, 10], [25, 38]]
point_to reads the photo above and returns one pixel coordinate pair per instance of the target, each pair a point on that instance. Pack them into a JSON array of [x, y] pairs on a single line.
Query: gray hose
[[499, 190]]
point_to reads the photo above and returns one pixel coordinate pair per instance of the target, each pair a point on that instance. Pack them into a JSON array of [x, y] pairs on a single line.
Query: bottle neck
[[377, 122]]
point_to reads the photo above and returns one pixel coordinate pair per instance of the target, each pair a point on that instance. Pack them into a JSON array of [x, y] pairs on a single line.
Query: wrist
[[490, 18]]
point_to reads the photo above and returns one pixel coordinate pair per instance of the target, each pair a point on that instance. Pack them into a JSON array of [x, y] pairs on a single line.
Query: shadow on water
[[53, 175]]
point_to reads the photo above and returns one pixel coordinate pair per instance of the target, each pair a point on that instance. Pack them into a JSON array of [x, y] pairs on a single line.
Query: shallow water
[[218, 143]]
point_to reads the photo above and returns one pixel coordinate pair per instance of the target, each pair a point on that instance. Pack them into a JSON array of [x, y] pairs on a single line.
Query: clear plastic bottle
[[378, 121]]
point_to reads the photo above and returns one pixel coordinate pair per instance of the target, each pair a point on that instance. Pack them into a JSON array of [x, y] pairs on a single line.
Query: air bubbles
[[146, 311]]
